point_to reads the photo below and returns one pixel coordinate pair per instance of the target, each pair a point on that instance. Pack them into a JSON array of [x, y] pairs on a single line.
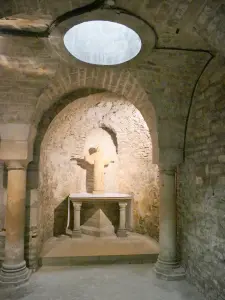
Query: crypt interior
[[112, 149]]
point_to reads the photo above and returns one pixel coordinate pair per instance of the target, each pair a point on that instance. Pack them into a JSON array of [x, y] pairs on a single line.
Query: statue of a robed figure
[[99, 161]]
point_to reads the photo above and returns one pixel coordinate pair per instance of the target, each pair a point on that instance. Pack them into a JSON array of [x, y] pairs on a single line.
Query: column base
[[169, 270], [76, 233], [121, 233], [14, 275]]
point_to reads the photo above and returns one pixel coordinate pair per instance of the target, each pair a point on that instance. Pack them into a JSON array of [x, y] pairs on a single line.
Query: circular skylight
[[102, 42]]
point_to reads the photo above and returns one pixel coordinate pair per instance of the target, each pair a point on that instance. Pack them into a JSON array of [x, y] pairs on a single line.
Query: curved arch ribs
[[122, 83]]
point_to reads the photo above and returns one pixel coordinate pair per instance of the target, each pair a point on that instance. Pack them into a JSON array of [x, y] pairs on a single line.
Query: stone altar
[[125, 202]]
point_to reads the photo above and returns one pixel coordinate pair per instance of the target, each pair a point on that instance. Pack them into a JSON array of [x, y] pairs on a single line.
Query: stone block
[[98, 225]]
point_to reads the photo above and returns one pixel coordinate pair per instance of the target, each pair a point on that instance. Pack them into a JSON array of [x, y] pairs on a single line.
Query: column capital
[[122, 205], [77, 205], [167, 170], [16, 165]]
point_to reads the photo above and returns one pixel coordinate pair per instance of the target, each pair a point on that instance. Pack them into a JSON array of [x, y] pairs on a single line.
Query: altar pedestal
[[76, 226], [98, 225], [125, 202]]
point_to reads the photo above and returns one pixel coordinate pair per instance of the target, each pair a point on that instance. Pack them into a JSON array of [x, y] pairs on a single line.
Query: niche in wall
[[117, 124]]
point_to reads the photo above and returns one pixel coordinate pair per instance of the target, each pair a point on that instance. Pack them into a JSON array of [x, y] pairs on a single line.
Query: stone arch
[[121, 82], [99, 110]]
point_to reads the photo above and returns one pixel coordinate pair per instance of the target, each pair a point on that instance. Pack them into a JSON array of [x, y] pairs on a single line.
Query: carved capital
[[122, 205], [170, 157], [77, 206], [167, 171], [16, 165]]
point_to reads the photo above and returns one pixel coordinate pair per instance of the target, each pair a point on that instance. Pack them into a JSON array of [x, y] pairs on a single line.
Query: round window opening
[[102, 42]]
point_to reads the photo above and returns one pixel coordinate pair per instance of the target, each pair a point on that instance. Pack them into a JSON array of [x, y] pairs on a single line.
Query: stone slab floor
[[108, 282]]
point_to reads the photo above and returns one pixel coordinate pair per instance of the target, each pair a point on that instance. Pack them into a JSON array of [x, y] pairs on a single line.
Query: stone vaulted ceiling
[[174, 20], [190, 34]]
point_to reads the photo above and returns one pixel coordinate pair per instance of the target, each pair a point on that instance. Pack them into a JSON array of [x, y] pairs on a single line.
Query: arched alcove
[[73, 131]]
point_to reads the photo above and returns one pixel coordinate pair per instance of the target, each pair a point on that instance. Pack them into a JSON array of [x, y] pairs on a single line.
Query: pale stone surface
[[105, 195], [29, 24], [99, 160], [76, 227], [98, 225], [106, 282], [15, 213], [18, 132], [167, 237], [64, 246], [17, 142], [122, 222]]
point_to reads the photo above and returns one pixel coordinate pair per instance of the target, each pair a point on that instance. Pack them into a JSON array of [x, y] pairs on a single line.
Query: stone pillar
[[14, 270], [167, 266], [76, 229], [129, 215], [2, 204], [122, 232]]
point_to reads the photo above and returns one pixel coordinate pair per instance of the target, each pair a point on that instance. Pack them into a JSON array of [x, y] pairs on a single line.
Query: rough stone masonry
[[177, 84]]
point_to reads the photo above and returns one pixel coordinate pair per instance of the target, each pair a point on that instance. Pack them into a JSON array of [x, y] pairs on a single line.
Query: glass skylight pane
[[102, 42]]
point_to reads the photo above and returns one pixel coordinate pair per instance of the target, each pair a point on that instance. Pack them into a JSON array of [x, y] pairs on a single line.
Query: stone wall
[[119, 127], [168, 76], [201, 190]]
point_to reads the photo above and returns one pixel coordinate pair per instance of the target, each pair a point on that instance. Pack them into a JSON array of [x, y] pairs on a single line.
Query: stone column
[[14, 270], [122, 232], [167, 266], [2, 204], [129, 215], [76, 230]]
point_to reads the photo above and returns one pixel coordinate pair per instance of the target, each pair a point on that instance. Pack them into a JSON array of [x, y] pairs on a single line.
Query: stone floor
[[108, 282]]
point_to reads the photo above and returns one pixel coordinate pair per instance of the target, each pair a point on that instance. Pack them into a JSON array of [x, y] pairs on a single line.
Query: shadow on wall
[[148, 222], [112, 134], [89, 171], [61, 216]]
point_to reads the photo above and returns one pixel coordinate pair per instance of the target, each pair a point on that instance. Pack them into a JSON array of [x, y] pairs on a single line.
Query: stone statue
[[98, 160]]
